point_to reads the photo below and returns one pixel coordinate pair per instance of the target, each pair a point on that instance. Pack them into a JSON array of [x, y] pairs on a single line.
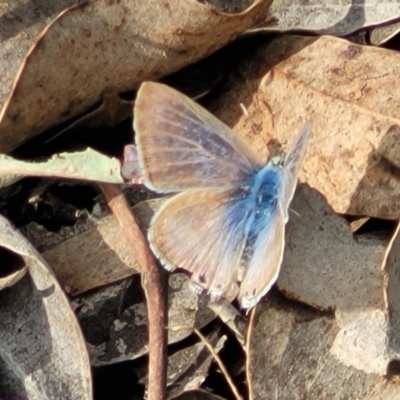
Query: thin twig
[[154, 290], [221, 365], [247, 351]]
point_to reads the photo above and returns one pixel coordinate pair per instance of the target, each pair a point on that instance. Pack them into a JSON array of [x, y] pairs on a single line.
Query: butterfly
[[225, 223]]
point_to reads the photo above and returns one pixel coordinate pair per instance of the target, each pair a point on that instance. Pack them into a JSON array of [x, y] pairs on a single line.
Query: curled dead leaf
[[109, 46], [43, 354]]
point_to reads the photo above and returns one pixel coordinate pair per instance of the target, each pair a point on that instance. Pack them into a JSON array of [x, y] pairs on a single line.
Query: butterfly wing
[[291, 167], [203, 232], [264, 265], [182, 146]]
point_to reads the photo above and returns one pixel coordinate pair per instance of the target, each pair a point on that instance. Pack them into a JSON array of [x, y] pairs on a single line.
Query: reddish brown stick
[[153, 286]]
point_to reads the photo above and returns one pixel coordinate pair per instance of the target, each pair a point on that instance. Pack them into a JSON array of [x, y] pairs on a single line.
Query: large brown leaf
[[347, 90], [107, 47]]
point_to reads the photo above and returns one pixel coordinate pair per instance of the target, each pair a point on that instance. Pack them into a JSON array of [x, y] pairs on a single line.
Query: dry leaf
[[109, 46], [12, 269], [391, 267], [357, 223], [112, 110], [355, 131], [354, 154], [324, 264], [21, 24], [381, 34], [291, 357], [335, 18], [362, 341], [188, 368], [230, 316], [198, 395], [94, 258], [116, 333], [85, 165], [43, 353], [94, 252]]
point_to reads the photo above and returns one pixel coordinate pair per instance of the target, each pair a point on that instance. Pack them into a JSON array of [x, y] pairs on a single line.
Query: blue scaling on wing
[[204, 232], [265, 193], [262, 206]]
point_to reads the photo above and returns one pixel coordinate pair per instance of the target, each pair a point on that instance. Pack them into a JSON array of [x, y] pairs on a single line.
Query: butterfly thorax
[[265, 190]]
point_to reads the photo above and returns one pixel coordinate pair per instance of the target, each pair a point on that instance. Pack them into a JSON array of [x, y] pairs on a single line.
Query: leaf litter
[[121, 43], [343, 343], [56, 362], [339, 18]]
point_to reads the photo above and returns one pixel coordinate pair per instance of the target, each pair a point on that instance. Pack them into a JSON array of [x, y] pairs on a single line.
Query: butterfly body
[[226, 223], [265, 191]]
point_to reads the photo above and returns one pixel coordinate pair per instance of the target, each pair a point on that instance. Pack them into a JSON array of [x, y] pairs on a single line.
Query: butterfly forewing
[[182, 146], [291, 167], [203, 232]]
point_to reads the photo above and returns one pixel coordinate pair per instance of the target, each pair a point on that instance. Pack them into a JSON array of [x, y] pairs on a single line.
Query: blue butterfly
[[226, 224]]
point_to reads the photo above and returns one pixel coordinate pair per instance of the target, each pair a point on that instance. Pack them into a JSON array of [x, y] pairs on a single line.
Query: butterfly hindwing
[[182, 146], [203, 232], [264, 265]]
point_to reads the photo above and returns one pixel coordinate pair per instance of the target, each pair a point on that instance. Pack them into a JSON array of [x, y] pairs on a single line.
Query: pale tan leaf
[[330, 17], [353, 157], [21, 24]]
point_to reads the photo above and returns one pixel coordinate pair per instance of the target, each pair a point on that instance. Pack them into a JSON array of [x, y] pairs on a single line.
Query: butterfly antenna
[[294, 212]]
